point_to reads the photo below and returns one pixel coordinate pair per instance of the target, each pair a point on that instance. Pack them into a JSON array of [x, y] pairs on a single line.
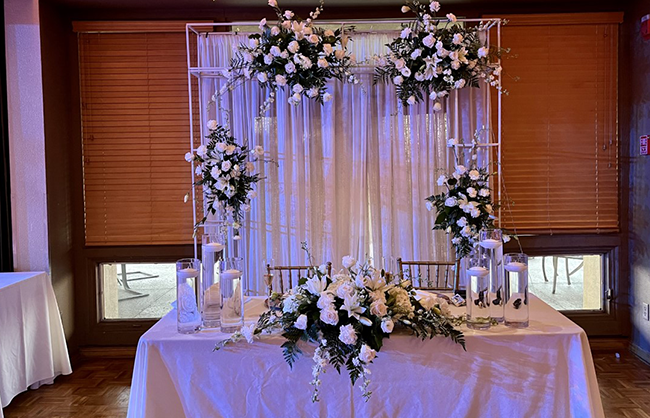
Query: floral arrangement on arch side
[[348, 316], [227, 173], [430, 60], [292, 54]]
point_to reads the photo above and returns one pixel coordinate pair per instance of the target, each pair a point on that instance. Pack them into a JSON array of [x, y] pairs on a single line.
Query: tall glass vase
[[232, 295], [212, 251], [516, 288], [492, 242], [478, 301], [188, 288]]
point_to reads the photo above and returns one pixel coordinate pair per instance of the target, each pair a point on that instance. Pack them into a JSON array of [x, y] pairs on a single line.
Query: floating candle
[[490, 243], [478, 271], [187, 273], [231, 274], [213, 247], [516, 267]]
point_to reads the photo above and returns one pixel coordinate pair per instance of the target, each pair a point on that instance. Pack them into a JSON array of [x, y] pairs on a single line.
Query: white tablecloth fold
[[33, 350], [545, 371]]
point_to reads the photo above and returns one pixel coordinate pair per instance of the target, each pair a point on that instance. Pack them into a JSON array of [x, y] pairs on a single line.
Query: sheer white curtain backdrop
[[351, 175]]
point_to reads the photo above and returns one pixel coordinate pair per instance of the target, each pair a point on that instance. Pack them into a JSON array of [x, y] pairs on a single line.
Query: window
[[137, 290], [567, 282], [135, 132], [560, 148]]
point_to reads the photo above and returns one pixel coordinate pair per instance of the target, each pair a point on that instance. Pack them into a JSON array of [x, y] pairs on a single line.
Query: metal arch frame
[[194, 30]]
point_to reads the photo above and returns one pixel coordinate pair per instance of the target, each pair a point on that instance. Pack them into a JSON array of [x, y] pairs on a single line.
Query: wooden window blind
[[559, 145], [135, 126]]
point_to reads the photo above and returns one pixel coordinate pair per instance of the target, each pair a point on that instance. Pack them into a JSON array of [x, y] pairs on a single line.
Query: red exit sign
[[643, 148]]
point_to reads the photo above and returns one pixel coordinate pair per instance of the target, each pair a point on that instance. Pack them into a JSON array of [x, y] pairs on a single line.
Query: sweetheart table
[[545, 370]]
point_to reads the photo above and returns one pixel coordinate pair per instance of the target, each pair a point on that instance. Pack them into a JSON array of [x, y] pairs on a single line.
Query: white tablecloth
[[545, 370], [32, 343]]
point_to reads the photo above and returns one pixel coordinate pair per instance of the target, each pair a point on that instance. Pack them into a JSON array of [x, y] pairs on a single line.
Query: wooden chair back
[[430, 275], [283, 278]]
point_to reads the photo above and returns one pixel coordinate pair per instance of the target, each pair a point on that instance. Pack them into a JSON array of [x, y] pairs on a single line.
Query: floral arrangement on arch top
[[294, 54], [348, 316], [433, 56], [227, 172]]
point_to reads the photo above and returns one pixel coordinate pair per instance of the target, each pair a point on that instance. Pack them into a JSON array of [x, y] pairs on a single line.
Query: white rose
[[327, 97], [248, 332], [406, 9], [450, 202], [378, 308], [252, 194], [406, 72], [429, 205], [273, 3], [406, 32], [322, 63], [367, 354], [230, 149], [289, 67], [329, 316], [434, 6], [349, 261], [221, 146], [293, 47], [451, 17], [460, 169], [327, 49], [275, 51], [189, 157], [398, 80], [313, 92], [202, 151], [253, 42], [411, 100], [212, 124], [429, 41], [325, 301], [339, 54], [416, 53], [437, 107], [387, 325], [427, 302], [462, 222], [288, 14], [400, 63], [297, 88], [225, 166], [313, 38], [488, 208], [458, 39], [459, 84], [250, 167], [262, 23], [275, 31], [348, 335], [262, 77], [474, 174], [441, 180], [301, 322], [280, 80], [483, 52], [258, 151], [484, 192]]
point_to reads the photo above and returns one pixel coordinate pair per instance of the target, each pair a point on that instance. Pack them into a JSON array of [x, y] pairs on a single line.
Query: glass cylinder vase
[[478, 281], [516, 290], [492, 242], [212, 250], [232, 295], [188, 285]]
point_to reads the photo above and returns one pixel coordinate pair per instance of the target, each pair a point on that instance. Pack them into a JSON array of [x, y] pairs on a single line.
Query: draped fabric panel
[[350, 176]]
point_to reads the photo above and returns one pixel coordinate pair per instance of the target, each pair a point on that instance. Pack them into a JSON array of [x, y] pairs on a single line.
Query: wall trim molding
[[640, 353]]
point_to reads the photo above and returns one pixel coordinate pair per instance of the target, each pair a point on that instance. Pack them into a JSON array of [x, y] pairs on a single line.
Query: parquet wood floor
[[100, 389]]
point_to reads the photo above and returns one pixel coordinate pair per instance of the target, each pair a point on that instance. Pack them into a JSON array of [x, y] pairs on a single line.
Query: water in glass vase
[[187, 286], [232, 300], [212, 250], [516, 281]]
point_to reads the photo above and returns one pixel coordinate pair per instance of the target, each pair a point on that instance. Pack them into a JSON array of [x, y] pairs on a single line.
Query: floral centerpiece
[[348, 316], [465, 208], [292, 54], [227, 173], [434, 56]]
